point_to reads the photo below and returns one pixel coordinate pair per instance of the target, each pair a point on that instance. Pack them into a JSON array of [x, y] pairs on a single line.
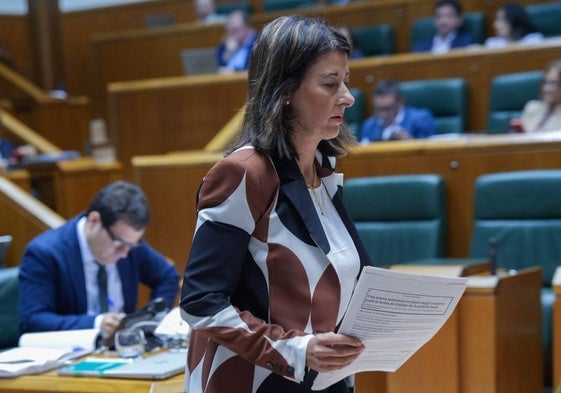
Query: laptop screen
[[199, 61]]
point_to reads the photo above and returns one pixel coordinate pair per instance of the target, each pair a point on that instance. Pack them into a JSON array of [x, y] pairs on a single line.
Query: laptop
[[160, 366], [199, 61], [5, 243]]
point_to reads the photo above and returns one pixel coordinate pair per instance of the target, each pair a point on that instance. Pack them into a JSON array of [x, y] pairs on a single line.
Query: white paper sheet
[[43, 351], [394, 314]]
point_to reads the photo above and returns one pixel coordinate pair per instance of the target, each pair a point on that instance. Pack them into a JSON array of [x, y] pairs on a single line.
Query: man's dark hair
[[121, 200], [388, 86], [452, 3]]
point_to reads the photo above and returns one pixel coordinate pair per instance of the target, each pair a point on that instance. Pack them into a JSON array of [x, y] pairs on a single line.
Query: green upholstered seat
[[375, 40], [509, 94], [226, 8], [354, 115], [546, 18], [279, 5], [522, 211], [445, 98], [401, 218], [9, 315], [474, 23]]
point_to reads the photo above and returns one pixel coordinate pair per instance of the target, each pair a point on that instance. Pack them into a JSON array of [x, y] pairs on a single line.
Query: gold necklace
[[312, 188]]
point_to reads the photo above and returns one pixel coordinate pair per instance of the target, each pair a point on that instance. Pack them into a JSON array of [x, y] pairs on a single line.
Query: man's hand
[[400, 134], [110, 321], [332, 351]]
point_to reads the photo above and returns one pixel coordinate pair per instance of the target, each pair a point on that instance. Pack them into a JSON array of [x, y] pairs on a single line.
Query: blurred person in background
[[234, 52], [394, 120], [448, 18], [512, 24], [545, 114]]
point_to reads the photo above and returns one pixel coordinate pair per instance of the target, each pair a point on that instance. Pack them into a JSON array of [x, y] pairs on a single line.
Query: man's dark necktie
[[102, 287]]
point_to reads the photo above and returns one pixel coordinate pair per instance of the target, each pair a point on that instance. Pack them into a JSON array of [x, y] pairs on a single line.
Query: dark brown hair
[[286, 48]]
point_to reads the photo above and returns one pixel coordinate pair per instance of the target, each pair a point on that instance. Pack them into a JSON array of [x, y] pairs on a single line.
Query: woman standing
[[275, 256]]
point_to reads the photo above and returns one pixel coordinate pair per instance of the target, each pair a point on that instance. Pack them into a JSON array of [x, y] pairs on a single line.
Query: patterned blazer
[[260, 279]]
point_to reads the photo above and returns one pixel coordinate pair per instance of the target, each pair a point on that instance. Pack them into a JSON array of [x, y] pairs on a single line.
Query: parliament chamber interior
[[97, 91]]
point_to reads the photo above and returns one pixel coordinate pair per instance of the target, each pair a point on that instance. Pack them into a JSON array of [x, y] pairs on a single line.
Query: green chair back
[[375, 40], [509, 94], [546, 18], [354, 116], [400, 218], [9, 314], [445, 98], [522, 211], [279, 5], [474, 23]]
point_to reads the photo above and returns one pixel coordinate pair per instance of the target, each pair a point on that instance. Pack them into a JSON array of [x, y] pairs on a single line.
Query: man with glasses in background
[[393, 119], [86, 273]]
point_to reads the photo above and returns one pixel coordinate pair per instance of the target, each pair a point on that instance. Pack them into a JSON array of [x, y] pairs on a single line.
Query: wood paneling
[[79, 27], [15, 39], [160, 115], [460, 161], [185, 113], [23, 217]]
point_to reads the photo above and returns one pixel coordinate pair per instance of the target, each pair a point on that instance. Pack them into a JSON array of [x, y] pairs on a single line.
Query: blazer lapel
[[75, 265], [294, 187]]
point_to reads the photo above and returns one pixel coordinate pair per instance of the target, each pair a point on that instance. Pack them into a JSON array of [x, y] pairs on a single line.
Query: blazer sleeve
[[232, 200], [47, 300], [423, 124]]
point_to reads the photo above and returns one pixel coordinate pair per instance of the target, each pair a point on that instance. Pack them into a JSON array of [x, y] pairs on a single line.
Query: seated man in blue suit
[[448, 19], [393, 119], [233, 53], [85, 274]]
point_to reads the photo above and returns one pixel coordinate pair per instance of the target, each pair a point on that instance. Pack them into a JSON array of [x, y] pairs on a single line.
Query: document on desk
[[42, 351], [394, 314]]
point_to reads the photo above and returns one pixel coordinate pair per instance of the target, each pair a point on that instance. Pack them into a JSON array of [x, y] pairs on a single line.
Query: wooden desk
[[63, 122], [460, 161], [51, 382], [161, 115], [67, 187], [156, 51], [79, 27], [492, 344]]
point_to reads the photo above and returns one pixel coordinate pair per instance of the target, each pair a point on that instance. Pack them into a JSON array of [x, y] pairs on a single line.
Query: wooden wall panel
[[23, 217], [459, 161], [162, 115], [175, 120], [79, 27], [15, 39]]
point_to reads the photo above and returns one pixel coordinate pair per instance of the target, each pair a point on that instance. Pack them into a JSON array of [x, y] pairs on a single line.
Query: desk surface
[[51, 382]]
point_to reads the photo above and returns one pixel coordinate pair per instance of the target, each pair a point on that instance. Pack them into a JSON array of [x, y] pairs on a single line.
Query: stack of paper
[[43, 351]]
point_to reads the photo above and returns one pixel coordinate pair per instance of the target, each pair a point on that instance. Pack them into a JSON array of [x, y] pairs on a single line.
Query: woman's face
[[320, 101], [551, 88], [502, 26]]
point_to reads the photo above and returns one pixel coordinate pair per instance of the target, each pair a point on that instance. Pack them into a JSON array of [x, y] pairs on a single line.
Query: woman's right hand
[[332, 351]]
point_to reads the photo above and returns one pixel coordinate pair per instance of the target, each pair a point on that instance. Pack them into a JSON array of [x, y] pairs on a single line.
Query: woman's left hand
[[332, 351]]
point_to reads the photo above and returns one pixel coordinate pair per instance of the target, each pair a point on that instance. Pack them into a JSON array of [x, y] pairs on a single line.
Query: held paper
[[394, 314]]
